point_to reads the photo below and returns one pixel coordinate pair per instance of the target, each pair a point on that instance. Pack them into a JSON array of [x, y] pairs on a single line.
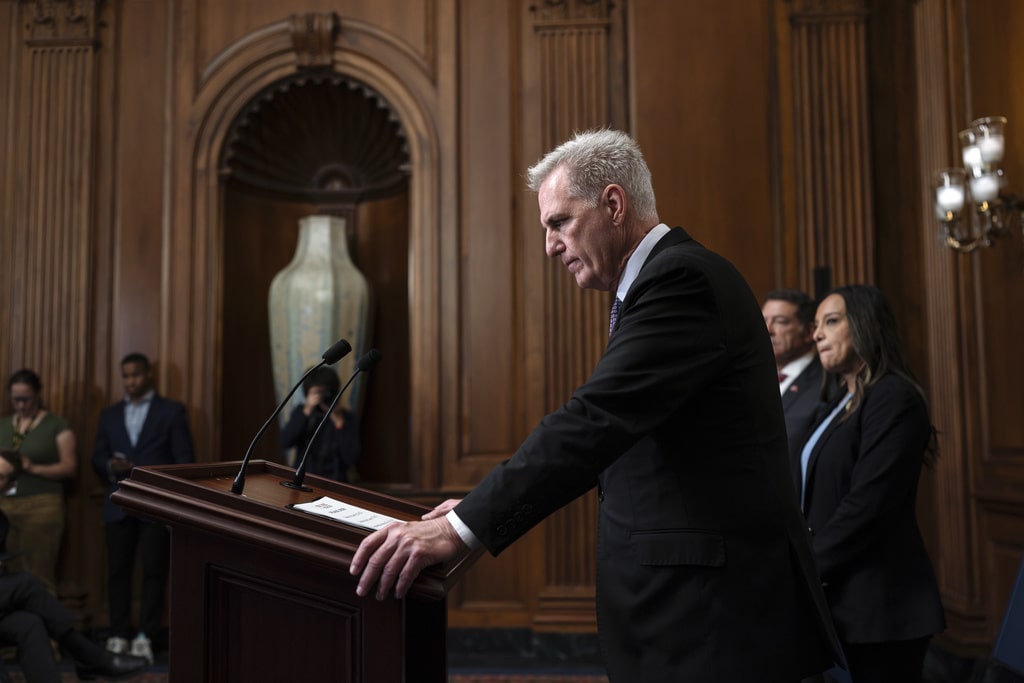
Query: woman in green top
[[35, 507]]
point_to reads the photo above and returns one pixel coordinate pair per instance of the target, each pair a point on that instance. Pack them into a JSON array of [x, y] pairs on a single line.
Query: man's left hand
[[395, 555]]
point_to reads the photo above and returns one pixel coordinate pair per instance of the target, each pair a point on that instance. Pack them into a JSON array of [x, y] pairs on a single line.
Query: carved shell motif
[[318, 138]]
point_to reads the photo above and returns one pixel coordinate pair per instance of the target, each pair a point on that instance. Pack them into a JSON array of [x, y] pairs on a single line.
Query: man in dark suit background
[[704, 568], [789, 315], [142, 429]]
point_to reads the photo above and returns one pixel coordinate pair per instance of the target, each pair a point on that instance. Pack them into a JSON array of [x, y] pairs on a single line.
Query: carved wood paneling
[[993, 398], [575, 71], [973, 328], [313, 37], [50, 239], [113, 213], [940, 106], [835, 226]]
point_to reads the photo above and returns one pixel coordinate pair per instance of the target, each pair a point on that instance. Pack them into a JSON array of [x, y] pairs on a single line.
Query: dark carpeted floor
[[161, 677]]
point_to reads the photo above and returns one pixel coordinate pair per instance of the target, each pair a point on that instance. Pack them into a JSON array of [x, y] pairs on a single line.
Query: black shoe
[[113, 666]]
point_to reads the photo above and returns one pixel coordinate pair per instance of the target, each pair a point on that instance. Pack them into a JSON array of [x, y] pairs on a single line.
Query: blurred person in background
[[336, 449], [143, 428], [30, 616], [35, 506]]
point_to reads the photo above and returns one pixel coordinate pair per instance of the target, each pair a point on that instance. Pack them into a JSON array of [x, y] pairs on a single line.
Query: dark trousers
[[152, 542], [29, 617], [899, 661]]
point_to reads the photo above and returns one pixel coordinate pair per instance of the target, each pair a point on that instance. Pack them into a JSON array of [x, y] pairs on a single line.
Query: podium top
[[198, 496]]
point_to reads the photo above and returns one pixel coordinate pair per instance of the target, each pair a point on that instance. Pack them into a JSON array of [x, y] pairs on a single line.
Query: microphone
[[365, 362], [336, 352]]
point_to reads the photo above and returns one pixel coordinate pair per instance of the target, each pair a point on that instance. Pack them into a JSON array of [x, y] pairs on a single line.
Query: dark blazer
[[164, 440], [861, 491], [704, 570], [801, 406]]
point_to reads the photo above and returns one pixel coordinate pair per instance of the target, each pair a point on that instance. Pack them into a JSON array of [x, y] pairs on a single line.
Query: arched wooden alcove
[[316, 143], [239, 236]]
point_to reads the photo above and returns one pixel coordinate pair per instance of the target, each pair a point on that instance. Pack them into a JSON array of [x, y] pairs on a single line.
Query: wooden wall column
[[46, 256], [971, 303], [576, 76], [939, 110], [833, 213]]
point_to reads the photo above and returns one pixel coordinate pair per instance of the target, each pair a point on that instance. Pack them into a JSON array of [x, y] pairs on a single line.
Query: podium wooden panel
[[262, 593]]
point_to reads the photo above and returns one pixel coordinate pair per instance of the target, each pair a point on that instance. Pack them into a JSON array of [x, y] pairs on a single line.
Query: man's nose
[[552, 245]]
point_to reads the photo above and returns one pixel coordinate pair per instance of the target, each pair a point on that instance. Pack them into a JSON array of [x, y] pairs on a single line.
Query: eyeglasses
[[22, 399]]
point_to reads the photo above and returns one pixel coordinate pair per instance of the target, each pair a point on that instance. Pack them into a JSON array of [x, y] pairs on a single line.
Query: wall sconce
[[979, 187]]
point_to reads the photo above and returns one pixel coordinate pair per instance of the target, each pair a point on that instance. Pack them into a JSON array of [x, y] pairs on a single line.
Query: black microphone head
[[368, 360], [338, 350]]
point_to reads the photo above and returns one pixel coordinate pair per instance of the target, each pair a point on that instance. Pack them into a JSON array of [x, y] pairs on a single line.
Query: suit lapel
[[812, 461]]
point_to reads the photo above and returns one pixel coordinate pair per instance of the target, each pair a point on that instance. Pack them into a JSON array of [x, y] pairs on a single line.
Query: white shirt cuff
[[464, 532]]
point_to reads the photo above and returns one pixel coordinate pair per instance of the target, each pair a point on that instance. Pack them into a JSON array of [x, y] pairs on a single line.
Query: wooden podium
[[260, 592]]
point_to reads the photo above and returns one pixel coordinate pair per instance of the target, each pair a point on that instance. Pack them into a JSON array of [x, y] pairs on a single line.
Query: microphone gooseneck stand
[[365, 362], [336, 352]]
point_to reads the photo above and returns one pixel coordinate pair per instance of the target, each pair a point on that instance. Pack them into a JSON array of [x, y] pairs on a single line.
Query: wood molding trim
[[60, 23]]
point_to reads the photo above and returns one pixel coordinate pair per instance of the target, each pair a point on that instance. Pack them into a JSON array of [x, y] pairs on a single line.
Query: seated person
[[337, 447], [30, 616]]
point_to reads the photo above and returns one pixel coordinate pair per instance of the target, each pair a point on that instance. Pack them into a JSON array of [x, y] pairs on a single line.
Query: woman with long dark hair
[[860, 471]]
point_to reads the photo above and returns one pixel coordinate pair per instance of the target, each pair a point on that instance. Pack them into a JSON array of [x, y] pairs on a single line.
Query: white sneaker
[[117, 645], [141, 647]]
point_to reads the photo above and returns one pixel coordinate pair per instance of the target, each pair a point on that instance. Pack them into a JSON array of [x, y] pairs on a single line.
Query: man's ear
[[614, 200]]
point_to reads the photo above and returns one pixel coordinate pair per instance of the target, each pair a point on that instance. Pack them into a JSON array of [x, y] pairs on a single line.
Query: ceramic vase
[[318, 298]]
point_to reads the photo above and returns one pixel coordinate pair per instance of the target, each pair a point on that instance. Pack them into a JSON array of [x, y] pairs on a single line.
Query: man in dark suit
[[142, 429], [789, 315], [704, 566]]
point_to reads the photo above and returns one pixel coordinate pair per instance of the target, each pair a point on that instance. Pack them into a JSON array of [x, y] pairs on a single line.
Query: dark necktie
[[782, 377], [613, 319]]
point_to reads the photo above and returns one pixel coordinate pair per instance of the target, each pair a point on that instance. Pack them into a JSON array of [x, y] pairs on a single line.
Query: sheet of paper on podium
[[345, 512]]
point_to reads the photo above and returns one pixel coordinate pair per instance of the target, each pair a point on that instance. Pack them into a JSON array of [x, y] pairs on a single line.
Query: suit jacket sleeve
[[886, 438], [669, 346]]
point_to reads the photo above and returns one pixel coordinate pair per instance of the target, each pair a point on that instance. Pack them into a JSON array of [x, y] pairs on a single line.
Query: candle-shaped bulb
[[984, 188], [973, 158], [950, 198], [991, 149]]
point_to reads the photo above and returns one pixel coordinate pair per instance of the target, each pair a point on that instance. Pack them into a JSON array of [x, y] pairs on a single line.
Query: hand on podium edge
[[394, 556]]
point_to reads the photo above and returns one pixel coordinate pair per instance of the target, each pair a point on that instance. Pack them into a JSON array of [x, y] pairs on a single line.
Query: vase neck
[[323, 237]]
